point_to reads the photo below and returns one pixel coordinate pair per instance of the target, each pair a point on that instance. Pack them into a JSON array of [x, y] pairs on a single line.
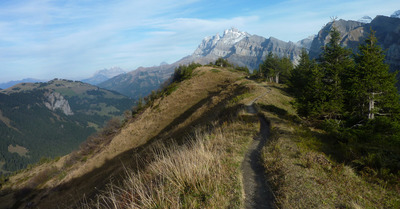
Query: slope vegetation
[[206, 100], [51, 119]]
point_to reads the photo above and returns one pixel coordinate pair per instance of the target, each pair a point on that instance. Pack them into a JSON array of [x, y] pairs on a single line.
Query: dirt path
[[257, 192]]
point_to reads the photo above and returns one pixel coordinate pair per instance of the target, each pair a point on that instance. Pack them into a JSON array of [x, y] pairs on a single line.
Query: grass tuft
[[204, 173]]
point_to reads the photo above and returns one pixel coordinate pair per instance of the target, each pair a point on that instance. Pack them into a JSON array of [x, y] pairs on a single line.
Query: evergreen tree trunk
[[371, 107], [277, 78]]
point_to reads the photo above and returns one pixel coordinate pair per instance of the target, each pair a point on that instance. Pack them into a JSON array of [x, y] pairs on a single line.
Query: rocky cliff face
[[56, 101], [354, 33], [243, 49], [306, 43]]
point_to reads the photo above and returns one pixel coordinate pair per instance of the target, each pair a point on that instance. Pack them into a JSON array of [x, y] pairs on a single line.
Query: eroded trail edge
[[257, 191]]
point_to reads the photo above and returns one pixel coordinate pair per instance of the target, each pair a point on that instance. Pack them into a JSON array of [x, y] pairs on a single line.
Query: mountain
[[306, 43], [103, 75], [240, 48], [365, 19], [396, 14], [12, 83], [354, 33], [51, 119], [140, 82]]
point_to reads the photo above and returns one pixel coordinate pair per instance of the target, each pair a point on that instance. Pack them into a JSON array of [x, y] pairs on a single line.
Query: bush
[[242, 69], [112, 126], [222, 62], [184, 72]]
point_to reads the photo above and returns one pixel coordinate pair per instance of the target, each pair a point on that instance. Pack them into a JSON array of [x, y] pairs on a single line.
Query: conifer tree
[[311, 99], [267, 66], [300, 75], [273, 68], [373, 90], [335, 62], [284, 68]]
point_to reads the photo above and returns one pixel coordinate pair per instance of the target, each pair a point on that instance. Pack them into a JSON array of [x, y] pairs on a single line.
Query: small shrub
[[242, 69], [184, 72], [112, 126], [221, 62], [42, 177]]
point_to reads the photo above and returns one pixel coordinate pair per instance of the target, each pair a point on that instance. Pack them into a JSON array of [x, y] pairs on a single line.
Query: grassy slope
[[302, 175], [202, 99]]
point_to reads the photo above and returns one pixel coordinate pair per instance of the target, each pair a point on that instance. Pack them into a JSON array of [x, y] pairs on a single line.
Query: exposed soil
[[257, 191]]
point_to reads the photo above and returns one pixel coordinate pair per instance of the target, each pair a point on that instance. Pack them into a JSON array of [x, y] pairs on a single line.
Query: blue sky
[[48, 39]]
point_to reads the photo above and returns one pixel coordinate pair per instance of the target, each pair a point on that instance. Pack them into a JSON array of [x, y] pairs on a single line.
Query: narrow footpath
[[257, 191]]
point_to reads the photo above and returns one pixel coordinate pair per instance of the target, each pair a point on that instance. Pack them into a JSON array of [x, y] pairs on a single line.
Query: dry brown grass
[[204, 173], [174, 114]]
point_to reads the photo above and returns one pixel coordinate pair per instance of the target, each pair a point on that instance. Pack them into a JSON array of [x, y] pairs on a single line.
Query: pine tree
[[267, 67], [373, 90], [300, 75], [311, 102], [335, 62], [273, 68], [283, 70]]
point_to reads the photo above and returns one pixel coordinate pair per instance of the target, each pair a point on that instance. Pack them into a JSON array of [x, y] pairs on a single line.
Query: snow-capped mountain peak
[[365, 19], [233, 35], [227, 40], [109, 73], [103, 75], [396, 14]]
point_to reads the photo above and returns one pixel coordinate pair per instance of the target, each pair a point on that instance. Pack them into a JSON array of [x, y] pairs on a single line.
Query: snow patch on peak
[[228, 39], [233, 35], [365, 19], [396, 14]]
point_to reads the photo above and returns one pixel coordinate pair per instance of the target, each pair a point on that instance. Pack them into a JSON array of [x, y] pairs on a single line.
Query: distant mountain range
[[240, 48], [140, 82], [396, 14], [12, 83], [51, 119], [103, 75], [243, 49]]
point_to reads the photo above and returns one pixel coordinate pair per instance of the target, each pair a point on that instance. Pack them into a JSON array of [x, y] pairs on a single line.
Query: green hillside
[[30, 130]]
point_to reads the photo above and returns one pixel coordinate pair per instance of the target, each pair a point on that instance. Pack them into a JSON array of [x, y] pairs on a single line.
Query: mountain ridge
[[354, 33], [25, 80], [239, 48]]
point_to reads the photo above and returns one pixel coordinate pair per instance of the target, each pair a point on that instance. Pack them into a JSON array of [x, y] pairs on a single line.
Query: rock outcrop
[[242, 49], [56, 101], [353, 33]]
